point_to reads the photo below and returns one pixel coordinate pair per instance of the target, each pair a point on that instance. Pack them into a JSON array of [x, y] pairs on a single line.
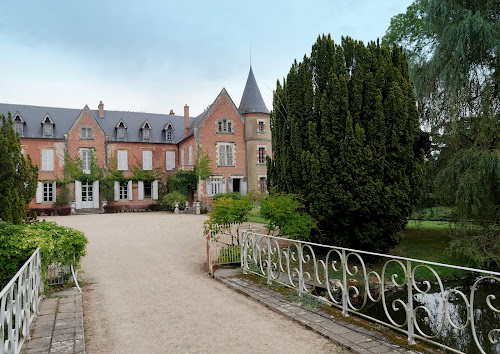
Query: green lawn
[[259, 219]]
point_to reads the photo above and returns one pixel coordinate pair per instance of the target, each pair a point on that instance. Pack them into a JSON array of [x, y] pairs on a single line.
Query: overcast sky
[[155, 55]]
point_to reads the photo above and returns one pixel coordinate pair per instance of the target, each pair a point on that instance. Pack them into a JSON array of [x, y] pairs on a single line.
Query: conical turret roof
[[252, 101]]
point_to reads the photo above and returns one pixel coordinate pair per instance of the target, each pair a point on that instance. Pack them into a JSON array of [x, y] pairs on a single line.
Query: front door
[[87, 200]]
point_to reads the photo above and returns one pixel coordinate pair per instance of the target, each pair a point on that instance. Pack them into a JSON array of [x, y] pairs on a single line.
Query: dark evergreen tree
[[18, 176], [344, 126]]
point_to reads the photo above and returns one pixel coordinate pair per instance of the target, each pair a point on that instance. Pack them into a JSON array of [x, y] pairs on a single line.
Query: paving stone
[[34, 344], [49, 303], [356, 337], [62, 347], [59, 331], [379, 349], [65, 323], [65, 315], [63, 337], [43, 329], [45, 318], [67, 307]]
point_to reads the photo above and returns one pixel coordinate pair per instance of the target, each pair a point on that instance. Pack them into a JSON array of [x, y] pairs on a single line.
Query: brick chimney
[[101, 110], [186, 120]]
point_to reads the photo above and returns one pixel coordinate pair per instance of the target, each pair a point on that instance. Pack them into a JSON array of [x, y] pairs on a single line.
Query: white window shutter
[[223, 190], [78, 194], [244, 186], [190, 155], [122, 160], [230, 182], [117, 190], [95, 194], [39, 192], [155, 189], [182, 157], [209, 187], [170, 160], [54, 193], [147, 160], [51, 160], [130, 196], [140, 189]]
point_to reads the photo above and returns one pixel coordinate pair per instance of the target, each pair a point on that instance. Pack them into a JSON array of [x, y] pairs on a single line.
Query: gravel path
[[148, 292]]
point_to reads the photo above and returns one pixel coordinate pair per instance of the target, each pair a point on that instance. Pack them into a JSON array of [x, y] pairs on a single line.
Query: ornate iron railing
[[19, 302], [398, 286]]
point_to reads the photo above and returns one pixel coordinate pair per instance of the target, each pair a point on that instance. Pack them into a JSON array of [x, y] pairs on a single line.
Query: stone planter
[[73, 207], [176, 210]]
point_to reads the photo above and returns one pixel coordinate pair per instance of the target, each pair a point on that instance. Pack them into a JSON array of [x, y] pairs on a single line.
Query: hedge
[[57, 244], [50, 211]]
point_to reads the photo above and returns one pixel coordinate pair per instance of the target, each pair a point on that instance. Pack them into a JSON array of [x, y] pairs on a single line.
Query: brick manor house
[[237, 141]]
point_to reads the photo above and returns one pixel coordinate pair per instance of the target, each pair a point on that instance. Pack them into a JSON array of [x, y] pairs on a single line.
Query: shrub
[[232, 195], [57, 244], [284, 214], [50, 211], [168, 200], [227, 210], [63, 197]]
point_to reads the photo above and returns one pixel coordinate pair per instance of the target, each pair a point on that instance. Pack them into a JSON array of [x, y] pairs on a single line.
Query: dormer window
[[47, 126], [19, 125], [121, 130], [146, 131], [224, 126], [169, 132]]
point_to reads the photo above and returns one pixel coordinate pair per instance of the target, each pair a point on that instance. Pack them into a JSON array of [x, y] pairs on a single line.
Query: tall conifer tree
[[344, 122]]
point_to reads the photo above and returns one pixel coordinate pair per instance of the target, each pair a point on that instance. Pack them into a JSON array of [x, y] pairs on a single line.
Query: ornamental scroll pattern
[[19, 301], [341, 277]]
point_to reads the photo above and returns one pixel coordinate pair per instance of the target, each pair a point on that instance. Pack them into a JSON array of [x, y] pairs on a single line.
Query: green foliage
[[344, 126], [203, 166], [18, 176], [63, 197], [232, 195], [286, 214], [458, 82], [227, 210], [57, 244], [168, 200], [182, 181]]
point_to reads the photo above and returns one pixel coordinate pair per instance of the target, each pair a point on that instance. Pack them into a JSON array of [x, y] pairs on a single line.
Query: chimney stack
[[186, 120], [101, 110]]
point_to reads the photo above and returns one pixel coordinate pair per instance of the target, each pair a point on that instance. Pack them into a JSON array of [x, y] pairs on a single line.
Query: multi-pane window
[[147, 189], [123, 194], [262, 155], [262, 182], [48, 192], [182, 157], [122, 160], [190, 155], [47, 160], [215, 186], [86, 133], [121, 133], [224, 126], [47, 129], [261, 126], [86, 160], [170, 159], [146, 134], [147, 160], [18, 126], [169, 133], [226, 155]]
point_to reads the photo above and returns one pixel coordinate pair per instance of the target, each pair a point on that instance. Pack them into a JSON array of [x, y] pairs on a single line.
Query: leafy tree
[[203, 166], [18, 176], [454, 50], [168, 201], [344, 125]]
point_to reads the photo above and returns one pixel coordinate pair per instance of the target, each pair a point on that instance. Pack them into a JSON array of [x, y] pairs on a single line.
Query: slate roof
[[65, 117], [251, 101]]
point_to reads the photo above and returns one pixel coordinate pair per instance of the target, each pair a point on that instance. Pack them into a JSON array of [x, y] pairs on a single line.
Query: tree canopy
[[18, 176], [344, 124], [453, 46]]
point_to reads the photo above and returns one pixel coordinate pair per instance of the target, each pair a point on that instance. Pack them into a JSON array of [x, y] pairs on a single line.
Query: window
[[224, 126], [170, 159], [19, 125], [48, 192], [262, 183], [147, 189], [47, 129], [121, 128], [226, 155], [123, 190], [147, 160], [190, 155], [261, 126], [262, 155], [182, 157], [215, 186], [229, 130], [169, 132], [47, 160], [121, 133], [146, 134], [86, 133], [122, 160], [86, 160]]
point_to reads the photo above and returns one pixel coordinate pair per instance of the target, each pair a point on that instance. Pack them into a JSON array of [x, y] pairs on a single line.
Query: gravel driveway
[[148, 292]]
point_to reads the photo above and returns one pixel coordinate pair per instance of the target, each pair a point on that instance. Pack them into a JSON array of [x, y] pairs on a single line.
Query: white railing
[[341, 277], [19, 301]]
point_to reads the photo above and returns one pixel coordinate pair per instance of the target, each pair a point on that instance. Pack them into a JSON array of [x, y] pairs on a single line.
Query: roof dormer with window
[[47, 126], [169, 132], [121, 130], [19, 124], [146, 131]]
